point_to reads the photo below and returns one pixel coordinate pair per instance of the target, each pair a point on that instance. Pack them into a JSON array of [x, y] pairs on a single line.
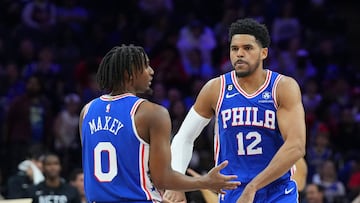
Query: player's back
[[115, 158]]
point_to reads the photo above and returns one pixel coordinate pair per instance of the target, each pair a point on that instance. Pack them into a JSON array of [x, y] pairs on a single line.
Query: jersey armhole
[[86, 109], [274, 90], [221, 94]]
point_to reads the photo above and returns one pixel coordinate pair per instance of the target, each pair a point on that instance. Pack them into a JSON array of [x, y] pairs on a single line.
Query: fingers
[[192, 172], [231, 185], [222, 165], [174, 196], [229, 177]]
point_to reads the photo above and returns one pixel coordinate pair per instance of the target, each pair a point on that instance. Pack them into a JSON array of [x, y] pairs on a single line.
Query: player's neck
[[126, 90], [252, 82]]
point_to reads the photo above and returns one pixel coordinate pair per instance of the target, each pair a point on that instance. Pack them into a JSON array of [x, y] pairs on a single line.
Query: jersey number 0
[[98, 170]]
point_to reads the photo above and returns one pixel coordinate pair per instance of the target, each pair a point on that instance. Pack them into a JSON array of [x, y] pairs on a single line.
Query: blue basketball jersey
[[115, 158], [246, 130]]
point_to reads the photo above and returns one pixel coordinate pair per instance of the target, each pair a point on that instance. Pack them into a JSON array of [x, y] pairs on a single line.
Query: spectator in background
[[196, 34], [48, 69], [66, 124], [311, 96], [314, 193], [169, 67], [29, 121], [29, 174], [66, 142], [319, 150], [286, 26], [334, 190], [25, 52], [54, 188], [77, 180], [39, 20], [39, 14], [196, 66]]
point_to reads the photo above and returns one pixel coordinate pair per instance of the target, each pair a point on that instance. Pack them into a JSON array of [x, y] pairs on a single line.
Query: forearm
[[180, 182], [283, 160], [181, 153], [183, 142]]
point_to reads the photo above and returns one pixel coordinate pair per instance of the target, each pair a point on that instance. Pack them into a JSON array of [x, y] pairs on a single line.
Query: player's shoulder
[[85, 109], [150, 110], [212, 84], [287, 82], [288, 91]]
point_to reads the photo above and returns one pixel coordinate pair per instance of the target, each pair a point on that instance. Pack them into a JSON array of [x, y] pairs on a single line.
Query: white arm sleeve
[[183, 142]]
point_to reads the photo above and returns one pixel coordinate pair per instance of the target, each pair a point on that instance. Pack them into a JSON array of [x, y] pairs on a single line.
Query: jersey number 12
[[252, 148]]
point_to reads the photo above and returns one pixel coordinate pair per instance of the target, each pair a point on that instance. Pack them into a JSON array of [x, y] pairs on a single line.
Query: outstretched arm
[[291, 120], [195, 121], [154, 126]]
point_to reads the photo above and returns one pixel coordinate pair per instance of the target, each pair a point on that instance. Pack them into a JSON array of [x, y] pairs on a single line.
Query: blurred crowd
[[50, 51]]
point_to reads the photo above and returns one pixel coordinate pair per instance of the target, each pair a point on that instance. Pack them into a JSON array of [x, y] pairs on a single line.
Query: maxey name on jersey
[[108, 123]]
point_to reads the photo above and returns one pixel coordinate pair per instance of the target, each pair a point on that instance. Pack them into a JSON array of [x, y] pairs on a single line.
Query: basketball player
[[259, 122], [126, 139]]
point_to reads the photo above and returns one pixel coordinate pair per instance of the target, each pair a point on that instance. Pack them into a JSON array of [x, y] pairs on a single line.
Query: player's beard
[[251, 70]]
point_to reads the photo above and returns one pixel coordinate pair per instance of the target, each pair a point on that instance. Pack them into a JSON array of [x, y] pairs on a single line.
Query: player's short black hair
[[118, 64], [251, 27]]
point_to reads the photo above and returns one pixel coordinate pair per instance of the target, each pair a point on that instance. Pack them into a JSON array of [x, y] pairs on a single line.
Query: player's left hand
[[248, 195], [171, 196]]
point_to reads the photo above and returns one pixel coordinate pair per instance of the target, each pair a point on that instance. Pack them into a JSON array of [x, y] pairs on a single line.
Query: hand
[[217, 182], [209, 196], [248, 195], [171, 196], [192, 172]]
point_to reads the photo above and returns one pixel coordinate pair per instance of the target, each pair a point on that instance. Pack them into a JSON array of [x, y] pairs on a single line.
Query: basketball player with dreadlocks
[[126, 139]]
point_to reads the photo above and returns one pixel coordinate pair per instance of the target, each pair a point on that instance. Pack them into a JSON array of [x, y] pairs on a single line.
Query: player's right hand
[[217, 182]]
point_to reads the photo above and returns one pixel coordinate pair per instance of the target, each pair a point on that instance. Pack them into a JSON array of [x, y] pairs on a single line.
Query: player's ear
[[264, 53]]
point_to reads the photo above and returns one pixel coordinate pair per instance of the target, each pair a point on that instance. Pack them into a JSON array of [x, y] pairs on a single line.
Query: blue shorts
[[284, 191]]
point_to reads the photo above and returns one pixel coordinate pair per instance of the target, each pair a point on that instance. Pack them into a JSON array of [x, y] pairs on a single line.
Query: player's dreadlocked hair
[[251, 27], [118, 64]]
